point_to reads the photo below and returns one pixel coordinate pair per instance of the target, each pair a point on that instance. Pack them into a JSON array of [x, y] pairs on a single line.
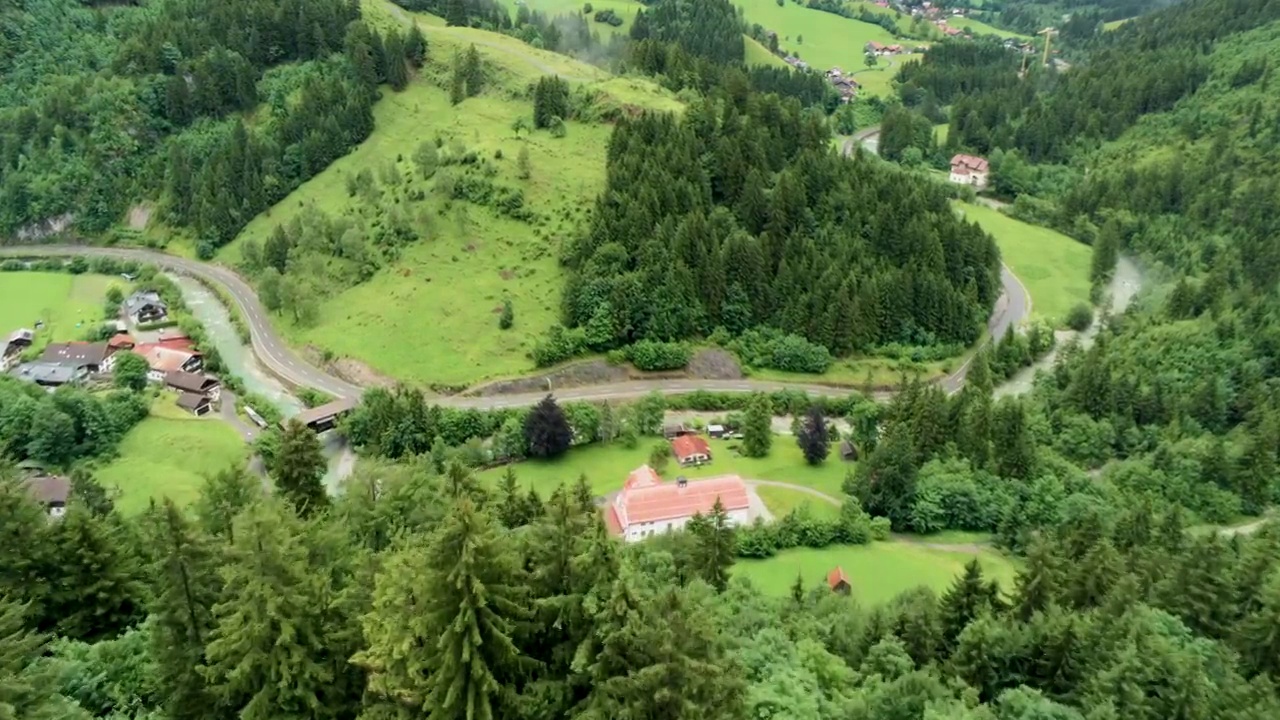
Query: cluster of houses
[[844, 84], [882, 50], [172, 358], [970, 170]]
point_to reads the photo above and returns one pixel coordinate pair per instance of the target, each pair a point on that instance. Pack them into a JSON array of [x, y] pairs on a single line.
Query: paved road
[[285, 363]]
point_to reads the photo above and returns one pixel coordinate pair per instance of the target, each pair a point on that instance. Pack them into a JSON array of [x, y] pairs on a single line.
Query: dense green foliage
[[775, 230]]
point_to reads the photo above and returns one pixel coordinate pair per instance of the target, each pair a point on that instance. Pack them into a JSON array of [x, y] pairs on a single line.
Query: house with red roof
[[970, 170], [648, 506], [838, 581], [164, 359], [691, 450]]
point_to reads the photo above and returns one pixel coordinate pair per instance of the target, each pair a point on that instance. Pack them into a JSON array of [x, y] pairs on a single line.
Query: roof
[[971, 162], [668, 501], [643, 476], [190, 382], [47, 373], [121, 340], [139, 300], [320, 412], [77, 354], [49, 489], [875, 45], [164, 359], [192, 401], [689, 445], [837, 576], [177, 341], [21, 335]]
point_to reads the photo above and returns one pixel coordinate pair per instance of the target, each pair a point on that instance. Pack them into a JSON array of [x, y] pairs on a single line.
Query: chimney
[[682, 481]]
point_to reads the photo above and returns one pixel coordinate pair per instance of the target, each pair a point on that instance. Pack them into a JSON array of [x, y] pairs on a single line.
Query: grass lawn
[[977, 27], [781, 501], [940, 132], [822, 39], [878, 571], [66, 304], [758, 54], [1054, 268], [169, 454], [855, 372], [606, 467], [445, 290]]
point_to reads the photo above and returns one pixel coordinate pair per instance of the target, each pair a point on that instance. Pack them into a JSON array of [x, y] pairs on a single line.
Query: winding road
[[284, 362]]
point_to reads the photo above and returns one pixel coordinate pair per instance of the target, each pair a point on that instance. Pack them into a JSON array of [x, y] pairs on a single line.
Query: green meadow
[[822, 39], [1053, 267], [977, 27], [66, 304], [878, 571]]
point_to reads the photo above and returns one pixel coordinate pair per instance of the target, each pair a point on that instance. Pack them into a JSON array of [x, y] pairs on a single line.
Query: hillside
[[428, 311]]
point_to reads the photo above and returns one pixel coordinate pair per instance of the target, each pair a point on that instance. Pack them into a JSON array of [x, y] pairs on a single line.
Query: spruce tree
[[26, 686], [95, 592], [1012, 446], [473, 71], [757, 428], [547, 430], [266, 657], [185, 586], [715, 547], [25, 552], [224, 496], [812, 437], [969, 596], [1038, 582], [1106, 250], [512, 508], [455, 13], [886, 480], [297, 467], [1257, 637], [415, 46], [394, 59]]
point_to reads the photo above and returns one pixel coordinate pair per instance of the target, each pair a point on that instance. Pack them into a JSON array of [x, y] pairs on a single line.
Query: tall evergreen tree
[[757, 426], [394, 53], [225, 495], [969, 596], [813, 438], [297, 467], [96, 591], [415, 46], [715, 547], [885, 482], [26, 690]]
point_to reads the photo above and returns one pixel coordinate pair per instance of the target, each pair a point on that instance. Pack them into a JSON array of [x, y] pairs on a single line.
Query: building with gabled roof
[[970, 170], [647, 506], [691, 450], [838, 581]]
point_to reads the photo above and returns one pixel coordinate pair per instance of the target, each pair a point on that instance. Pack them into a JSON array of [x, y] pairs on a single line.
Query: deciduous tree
[[546, 430]]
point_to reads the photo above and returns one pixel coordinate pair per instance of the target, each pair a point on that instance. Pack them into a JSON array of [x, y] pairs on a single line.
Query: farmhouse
[[969, 170], [195, 403], [18, 341], [89, 357], [50, 375], [164, 360], [648, 506], [691, 450], [202, 385], [874, 48], [146, 307], [51, 491], [121, 341]]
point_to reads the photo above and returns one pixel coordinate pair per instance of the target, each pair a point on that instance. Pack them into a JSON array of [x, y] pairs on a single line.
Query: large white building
[[970, 170], [648, 506]]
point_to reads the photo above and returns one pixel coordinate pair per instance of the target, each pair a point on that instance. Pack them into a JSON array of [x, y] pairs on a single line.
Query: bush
[[586, 9], [771, 348], [312, 397], [608, 16], [652, 355], [1080, 317], [559, 345]]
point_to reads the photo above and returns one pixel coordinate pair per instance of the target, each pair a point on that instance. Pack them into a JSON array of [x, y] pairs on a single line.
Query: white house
[[969, 170], [647, 506]]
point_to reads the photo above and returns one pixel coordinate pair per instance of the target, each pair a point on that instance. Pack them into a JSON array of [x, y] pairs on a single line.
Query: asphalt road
[[291, 368]]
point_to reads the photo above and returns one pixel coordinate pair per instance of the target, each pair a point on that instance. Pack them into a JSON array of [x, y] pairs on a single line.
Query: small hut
[[838, 581]]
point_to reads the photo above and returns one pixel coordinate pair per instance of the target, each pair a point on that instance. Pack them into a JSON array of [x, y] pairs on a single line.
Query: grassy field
[[66, 304], [169, 454], [606, 467], [625, 9], [822, 39], [878, 571], [855, 372], [445, 290], [940, 132], [758, 54], [1053, 267], [977, 27], [1115, 23], [781, 501]]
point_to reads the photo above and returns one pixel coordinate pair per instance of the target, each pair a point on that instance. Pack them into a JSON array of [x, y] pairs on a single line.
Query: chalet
[[647, 506], [847, 87], [50, 375], [14, 345], [194, 403], [838, 581], [51, 491], [146, 307], [89, 357], [893, 49], [121, 341], [202, 385], [690, 450], [874, 48], [969, 170], [163, 360]]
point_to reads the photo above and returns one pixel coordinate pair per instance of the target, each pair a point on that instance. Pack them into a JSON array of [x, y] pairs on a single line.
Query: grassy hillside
[[977, 27], [820, 38], [66, 304], [431, 316], [625, 9], [758, 54]]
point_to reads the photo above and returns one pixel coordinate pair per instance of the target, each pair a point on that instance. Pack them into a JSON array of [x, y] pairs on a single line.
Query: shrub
[[559, 345], [1080, 317], [771, 348], [652, 355]]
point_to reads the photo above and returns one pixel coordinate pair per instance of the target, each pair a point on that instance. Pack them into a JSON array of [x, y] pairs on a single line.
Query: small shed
[[676, 430], [194, 403], [716, 431], [848, 451], [838, 581]]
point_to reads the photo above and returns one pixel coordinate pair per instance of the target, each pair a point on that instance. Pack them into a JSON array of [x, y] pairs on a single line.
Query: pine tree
[[886, 480], [455, 13], [757, 427], [715, 547], [224, 496], [969, 596], [812, 438], [1257, 637], [185, 588], [547, 430], [26, 686], [415, 46], [297, 467], [1037, 583], [25, 534], [1012, 446], [1106, 250], [473, 71], [439, 636], [394, 59], [265, 657], [457, 84], [512, 508], [95, 593]]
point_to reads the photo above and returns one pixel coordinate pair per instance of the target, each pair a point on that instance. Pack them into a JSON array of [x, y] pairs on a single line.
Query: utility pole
[[1048, 34]]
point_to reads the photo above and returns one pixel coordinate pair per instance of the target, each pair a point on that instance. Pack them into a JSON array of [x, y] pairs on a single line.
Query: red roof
[[121, 341], [164, 359], [875, 45], [611, 520], [643, 476], [837, 576], [668, 501], [969, 162], [687, 446], [177, 342]]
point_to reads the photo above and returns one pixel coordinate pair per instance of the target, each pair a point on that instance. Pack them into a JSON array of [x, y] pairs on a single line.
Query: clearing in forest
[[66, 304], [820, 38], [878, 571], [1053, 267], [155, 457]]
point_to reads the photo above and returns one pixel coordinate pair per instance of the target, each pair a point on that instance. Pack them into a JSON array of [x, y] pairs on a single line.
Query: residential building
[[164, 360], [969, 170], [202, 385], [14, 345], [50, 375], [874, 48], [838, 581], [691, 450], [121, 341], [146, 307], [51, 491], [91, 357], [647, 506], [194, 403]]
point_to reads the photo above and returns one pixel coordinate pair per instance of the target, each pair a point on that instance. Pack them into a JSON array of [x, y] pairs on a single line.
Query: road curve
[[290, 367]]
